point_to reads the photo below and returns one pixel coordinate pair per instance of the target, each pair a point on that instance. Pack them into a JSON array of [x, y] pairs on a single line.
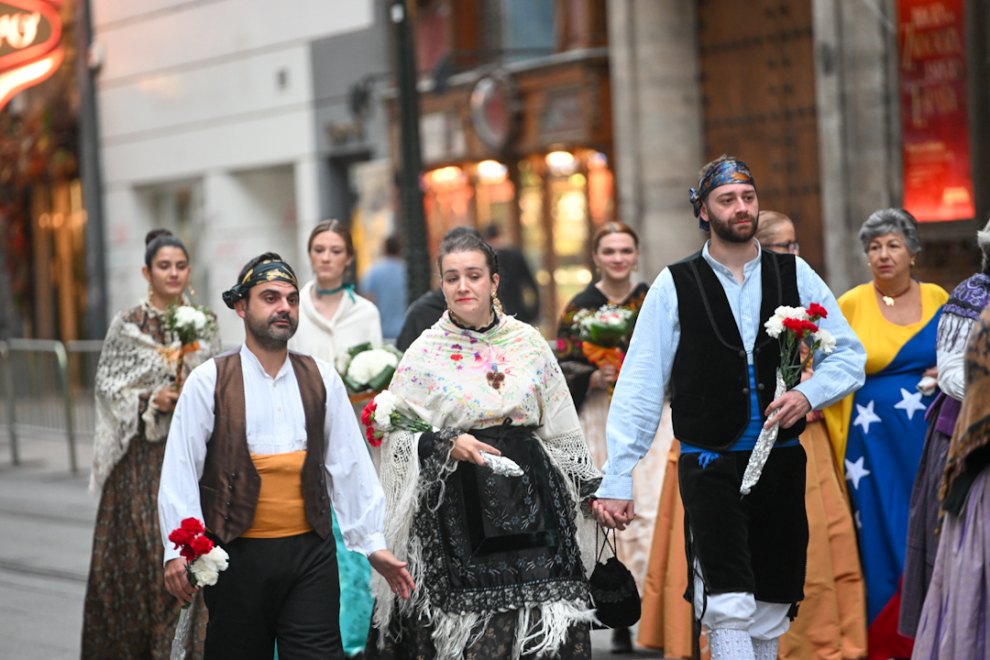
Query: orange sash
[[281, 509]]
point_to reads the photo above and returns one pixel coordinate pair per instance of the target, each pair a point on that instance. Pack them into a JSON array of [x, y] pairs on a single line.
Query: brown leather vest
[[229, 488]]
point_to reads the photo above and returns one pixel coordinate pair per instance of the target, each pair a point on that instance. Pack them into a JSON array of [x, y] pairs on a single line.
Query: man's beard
[[267, 335], [729, 232]]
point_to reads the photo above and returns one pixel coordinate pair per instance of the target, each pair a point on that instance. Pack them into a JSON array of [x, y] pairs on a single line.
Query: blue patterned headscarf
[[728, 171]]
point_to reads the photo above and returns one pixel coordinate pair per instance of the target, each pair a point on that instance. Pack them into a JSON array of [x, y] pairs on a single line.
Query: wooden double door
[[758, 100]]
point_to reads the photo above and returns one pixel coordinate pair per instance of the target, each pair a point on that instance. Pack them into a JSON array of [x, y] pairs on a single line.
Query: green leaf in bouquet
[[359, 348], [352, 385], [382, 380]]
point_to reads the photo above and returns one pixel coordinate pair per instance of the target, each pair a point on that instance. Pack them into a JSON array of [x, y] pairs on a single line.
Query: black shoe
[[621, 640]]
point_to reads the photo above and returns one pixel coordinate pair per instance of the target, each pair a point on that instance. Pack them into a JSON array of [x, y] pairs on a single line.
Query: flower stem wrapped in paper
[[188, 326], [382, 415], [601, 331], [792, 327], [204, 562], [367, 369]]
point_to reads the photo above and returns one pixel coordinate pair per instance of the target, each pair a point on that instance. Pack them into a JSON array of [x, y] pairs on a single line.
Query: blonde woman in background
[[332, 319]]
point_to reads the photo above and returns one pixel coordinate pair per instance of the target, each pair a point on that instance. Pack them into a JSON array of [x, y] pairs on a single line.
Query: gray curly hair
[[886, 221]]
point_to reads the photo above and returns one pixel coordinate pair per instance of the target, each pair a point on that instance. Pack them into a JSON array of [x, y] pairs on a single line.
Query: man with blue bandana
[[702, 331]]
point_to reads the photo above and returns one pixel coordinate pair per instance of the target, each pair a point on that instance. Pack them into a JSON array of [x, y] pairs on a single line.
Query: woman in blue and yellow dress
[[879, 432]]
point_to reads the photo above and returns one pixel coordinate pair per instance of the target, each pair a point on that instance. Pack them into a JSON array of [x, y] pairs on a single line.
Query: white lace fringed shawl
[[443, 380], [130, 374]]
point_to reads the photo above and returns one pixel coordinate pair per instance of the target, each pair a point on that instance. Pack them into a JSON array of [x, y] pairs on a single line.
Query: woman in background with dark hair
[[128, 613], [496, 556], [615, 251]]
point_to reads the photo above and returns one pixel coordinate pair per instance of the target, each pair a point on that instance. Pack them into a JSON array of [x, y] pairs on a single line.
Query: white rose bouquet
[[189, 325], [366, 368]]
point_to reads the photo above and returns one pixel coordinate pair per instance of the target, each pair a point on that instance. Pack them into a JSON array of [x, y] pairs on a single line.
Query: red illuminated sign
[[30, 33], [938, 183]]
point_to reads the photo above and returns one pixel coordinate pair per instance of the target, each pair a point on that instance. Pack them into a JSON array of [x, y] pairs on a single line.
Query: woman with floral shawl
[[499, 561], [615, 250], [128, 613]]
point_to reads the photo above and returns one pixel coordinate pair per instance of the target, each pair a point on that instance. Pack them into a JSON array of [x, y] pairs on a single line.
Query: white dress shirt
[[276, 424]]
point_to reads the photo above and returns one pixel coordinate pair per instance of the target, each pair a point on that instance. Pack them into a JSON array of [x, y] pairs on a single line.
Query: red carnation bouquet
[[382, 415], [204, 561], [793, 327]]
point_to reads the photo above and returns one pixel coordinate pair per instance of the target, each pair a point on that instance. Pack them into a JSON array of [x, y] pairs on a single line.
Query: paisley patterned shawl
[[130, 374], [969, 452], [961, 311]]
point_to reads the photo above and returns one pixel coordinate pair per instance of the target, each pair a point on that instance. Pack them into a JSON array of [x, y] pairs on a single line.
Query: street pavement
[[47, 518]]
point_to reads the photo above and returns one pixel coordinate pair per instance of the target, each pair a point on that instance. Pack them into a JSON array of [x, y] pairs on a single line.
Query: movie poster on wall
[[938, 183]]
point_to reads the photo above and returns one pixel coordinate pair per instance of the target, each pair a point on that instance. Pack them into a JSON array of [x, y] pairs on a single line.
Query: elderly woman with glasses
[[879, 432]]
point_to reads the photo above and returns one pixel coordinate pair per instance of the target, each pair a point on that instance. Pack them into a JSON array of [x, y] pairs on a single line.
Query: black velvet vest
[[709, 383]]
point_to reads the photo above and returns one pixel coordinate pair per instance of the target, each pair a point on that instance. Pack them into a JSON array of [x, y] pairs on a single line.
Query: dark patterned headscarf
[[728, 171], [269, 270]]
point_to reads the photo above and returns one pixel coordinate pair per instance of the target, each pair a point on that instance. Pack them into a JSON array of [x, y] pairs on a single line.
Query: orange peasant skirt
[[831, 621]]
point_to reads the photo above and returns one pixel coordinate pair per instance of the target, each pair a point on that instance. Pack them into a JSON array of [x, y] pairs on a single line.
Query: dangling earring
[[912, 262], [151, 291], [497, 304], [636, 266], [192, 291]]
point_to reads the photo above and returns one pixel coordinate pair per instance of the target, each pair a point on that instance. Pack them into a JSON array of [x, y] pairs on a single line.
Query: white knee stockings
[[728, 644]]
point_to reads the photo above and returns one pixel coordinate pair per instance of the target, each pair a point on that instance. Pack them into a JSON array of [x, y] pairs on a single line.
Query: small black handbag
[[613, 589]]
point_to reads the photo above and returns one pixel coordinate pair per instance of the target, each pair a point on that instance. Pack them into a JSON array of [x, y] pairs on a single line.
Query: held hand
[[177, 582], [613, 514], [931, 372], [467, 448], [394, 571], [793, 406], [166, 400]]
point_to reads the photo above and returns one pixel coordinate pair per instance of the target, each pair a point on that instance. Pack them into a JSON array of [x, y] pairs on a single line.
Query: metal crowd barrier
[[47, 391]]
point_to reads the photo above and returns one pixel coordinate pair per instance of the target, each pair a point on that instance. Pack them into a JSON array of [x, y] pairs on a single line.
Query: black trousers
[[755, 544], [285, 589]]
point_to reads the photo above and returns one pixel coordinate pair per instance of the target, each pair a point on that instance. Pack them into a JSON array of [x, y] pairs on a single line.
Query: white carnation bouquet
[[792, 327], [365, 368], [204, 562]]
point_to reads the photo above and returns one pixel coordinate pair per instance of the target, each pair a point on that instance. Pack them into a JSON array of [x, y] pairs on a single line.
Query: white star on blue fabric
[[865, 417], [855, 471], [910, 403]]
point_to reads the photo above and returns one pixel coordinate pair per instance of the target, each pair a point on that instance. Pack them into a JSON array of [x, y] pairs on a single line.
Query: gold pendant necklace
[[887, 299]]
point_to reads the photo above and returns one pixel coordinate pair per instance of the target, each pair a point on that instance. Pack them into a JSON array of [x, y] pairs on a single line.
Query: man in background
[[385, 285], [517, 289]]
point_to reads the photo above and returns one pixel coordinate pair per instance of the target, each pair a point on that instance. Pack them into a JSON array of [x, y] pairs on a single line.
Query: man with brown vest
[[262, 441]]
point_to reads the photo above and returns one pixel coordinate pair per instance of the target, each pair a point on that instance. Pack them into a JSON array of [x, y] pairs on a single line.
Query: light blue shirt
[[386, 281], [638, 399]]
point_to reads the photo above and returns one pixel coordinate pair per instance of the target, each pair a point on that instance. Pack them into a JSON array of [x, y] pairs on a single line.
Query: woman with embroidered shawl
[[959, 316], [332, 319], [615, 251], [499, 561], [954, 618], [128, 613], [879, 431]]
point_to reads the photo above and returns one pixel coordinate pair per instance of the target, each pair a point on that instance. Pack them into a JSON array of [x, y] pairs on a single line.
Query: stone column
[[657, 125]]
